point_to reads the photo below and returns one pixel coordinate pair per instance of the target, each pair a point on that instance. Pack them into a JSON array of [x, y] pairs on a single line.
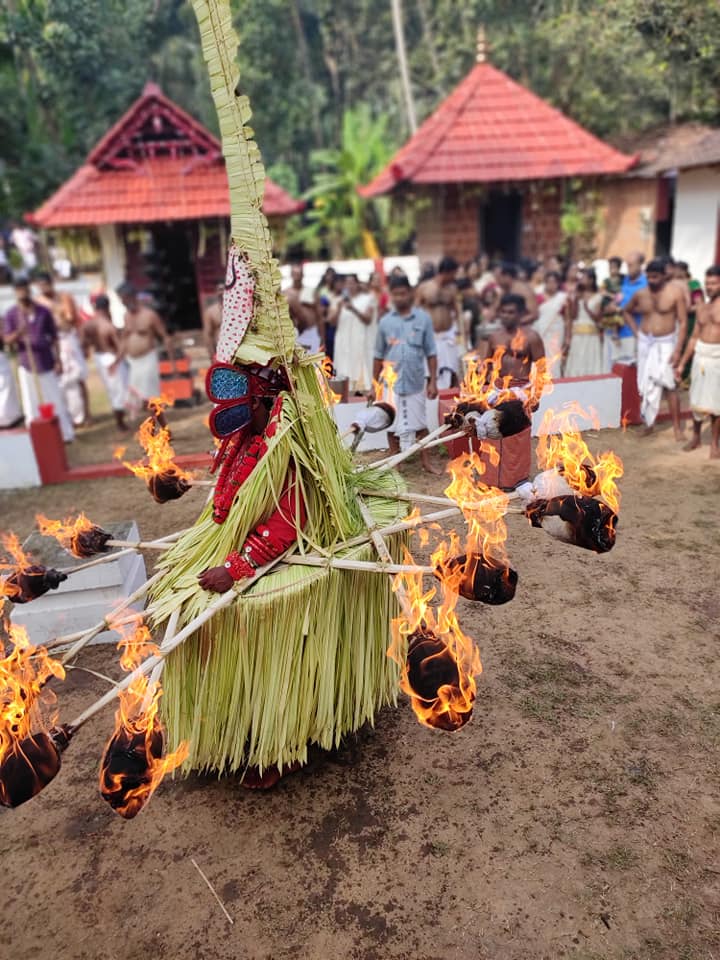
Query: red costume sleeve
[[273, 536]]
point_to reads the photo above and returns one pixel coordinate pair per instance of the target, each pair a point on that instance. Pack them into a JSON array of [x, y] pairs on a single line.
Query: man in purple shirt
[[30, 329]]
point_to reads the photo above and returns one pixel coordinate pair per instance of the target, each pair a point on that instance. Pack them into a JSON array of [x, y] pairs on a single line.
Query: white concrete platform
[[18, 465], [85, 597], [599, 395]]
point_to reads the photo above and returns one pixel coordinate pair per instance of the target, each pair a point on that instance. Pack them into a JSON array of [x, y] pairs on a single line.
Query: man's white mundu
[[654, 372]]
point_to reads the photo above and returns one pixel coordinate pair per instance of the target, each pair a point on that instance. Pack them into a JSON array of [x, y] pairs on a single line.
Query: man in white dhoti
[[100, 336], [405, 339], [141, 334], [439, 296], [30, 328], [663, 323], [704, 348], [355, 319]]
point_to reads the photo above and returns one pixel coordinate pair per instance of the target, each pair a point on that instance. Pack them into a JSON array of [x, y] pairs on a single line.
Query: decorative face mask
[[232, 389]]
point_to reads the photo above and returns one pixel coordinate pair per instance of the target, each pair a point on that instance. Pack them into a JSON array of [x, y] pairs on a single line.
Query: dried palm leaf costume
[[301, 657]]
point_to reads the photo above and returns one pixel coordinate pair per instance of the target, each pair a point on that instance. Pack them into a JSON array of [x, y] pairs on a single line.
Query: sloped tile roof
[[492, 129], [156, 163]]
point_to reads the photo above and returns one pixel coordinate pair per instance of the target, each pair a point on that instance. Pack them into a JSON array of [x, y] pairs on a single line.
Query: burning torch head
[[33, 582], [30, 766], [88, 542], [504, 419], [582, 521], [480, 579], [431, 669], [126, 779], [167, 486]]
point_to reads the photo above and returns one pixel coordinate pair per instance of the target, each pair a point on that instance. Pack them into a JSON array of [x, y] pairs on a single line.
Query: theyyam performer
[[301, 657]]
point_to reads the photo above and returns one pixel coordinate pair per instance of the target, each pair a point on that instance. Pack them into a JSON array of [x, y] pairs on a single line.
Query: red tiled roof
[[155, 163], [491, 129]]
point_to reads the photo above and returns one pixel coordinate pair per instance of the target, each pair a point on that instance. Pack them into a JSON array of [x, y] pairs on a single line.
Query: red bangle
[[238, 566]]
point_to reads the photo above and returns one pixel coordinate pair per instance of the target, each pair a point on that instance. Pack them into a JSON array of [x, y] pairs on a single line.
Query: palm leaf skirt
[[301, 659]]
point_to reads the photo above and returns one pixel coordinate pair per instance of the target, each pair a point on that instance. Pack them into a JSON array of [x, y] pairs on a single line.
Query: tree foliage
[[69, 68]]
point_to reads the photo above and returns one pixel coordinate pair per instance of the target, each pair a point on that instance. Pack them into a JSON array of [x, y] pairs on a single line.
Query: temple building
[[491, 169], [155, 191]]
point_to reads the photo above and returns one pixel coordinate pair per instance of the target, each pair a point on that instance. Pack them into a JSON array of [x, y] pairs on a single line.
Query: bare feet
[[430, 467], [648, 432], [715, 453], [693, 444], [269, 778], [679, 436]]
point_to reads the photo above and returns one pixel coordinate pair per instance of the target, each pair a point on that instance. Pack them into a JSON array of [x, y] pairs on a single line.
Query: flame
[[15, 562], [385, 387], [541, 382], [137, 722], [447, 647], [119, 452], [24, 698], [624, 421], [561, 447], [159, 452], [483, 379], [325, 373], [66, 532], [485, 383], [483, 507]]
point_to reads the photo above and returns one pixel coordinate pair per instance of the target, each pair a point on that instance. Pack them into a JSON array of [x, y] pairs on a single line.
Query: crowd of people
[[652, 315], [53, 339]]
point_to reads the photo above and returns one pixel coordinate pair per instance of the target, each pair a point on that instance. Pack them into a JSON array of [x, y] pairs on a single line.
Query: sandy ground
[[577, 815]]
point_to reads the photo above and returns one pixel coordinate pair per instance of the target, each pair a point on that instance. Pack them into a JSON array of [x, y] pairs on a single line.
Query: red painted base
[[49, 450]]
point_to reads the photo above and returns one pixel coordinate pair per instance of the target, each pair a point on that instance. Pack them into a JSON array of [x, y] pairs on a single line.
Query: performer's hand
[[216, 579], [432, 390]]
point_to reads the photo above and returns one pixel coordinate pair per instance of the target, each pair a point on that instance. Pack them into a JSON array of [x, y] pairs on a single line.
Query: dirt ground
[[577, 815]]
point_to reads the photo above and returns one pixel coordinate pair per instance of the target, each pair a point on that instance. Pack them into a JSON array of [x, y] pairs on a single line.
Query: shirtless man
[[304, 311], [100, 335], [523, 346], [439, 296], [704, 348], [663, 322], [509, 282], [212, 318], [142, 333], [67, 319]]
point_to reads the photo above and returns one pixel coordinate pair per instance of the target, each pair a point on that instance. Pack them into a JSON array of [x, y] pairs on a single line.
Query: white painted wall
[[18, 466], [695, 223], [599, 396], [313, 270]]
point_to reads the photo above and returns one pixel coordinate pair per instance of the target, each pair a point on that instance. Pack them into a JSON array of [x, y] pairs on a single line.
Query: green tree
[[340, 220]]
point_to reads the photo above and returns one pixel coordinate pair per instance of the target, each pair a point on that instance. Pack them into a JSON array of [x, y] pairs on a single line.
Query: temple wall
[[628, 213]]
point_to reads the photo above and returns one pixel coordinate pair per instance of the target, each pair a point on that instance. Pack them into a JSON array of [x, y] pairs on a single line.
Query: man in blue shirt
[[634, 280], [405, 339]]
